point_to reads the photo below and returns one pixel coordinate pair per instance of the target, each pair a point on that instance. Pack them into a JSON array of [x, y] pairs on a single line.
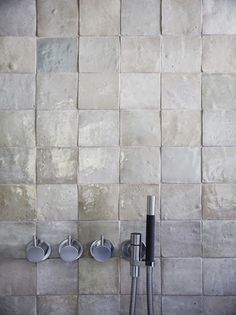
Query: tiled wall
[[141, 102]]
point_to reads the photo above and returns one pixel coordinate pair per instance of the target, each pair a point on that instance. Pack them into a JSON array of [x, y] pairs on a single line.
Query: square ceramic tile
[[98, 202], [57, 91], [139, 91], [181, 17], [18, 18], [95, 278], [219, 17], [99, 18], [181, 91], [181, 54], [98, 165], [181, 128], [140, 128], [98, 91], [17, 166], [98, 128], [54, 277], [18, 54], [223, 61], [57, 128], [57, 18], [99, 54], [181, 165], [140, 54], [17, 91], [17, 202], [57, 202], [57, 54], [57, 166], [17, 128], [140, 18], [140, 165]]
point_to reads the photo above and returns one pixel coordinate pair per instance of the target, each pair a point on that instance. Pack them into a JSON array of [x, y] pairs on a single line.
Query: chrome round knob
[[70, 250], [37, 250], [101, 250]]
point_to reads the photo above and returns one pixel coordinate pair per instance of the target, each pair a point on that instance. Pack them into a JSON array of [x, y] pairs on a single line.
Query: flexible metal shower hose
[[149, 284], [133, 294]]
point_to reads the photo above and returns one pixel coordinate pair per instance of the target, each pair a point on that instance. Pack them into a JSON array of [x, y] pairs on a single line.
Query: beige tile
[[98, 202], [140, 128]]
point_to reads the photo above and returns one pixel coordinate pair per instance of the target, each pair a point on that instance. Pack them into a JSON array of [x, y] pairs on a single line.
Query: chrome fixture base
[[126, 250]]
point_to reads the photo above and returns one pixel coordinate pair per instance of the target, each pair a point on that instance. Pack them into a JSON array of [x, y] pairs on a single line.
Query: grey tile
[[182, 305], [57, 305], [181, 239], [57, 18], [17, 203], [140, 91], [90, 231], [56, 232], [99, 304], [219, 276], [100, 18], [17, 128], [57, 91], [181, 165], [181, 17], [181, 91], [181, 128], [57, 54], [17, 91], [219, 164], [140, 128], [98, 128], [133, 201], [17, 166], [181, 202], [224, 60], [98, 90], [141, 307], [219, 201], [125, 279], [98, 165], [14, 237], [128, 227], [56, 166], [218, 91], [98, 202], [17, 277], [57, 128], [17, 54], [219, 17], [55, 277], [219, 238], [57, 202], [218, 305], [182, 276], [98, 278], [140, 165], [181, 54], [140, 18], [219, 128], [134, 56], [17, 305], [99, 54], [18, 18]]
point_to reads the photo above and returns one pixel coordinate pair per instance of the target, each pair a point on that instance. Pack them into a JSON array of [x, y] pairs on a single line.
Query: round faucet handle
[[37, 250], [102, 250], [70, 249]]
